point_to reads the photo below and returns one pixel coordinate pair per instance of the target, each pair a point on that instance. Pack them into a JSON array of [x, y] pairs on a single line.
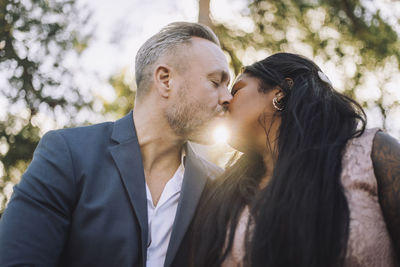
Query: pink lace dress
[[369, 243]]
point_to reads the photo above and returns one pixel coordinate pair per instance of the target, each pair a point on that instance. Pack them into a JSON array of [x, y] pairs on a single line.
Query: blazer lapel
[[194, 180], [127, 157]]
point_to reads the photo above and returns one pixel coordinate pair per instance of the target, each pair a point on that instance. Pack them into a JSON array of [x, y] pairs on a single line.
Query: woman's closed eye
[[234, 90], [237, 86]]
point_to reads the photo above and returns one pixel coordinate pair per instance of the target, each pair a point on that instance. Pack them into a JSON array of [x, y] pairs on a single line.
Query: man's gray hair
[[168, 38]]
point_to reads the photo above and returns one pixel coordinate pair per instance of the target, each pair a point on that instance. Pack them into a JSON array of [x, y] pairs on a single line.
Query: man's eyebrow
[[226, 77], [220, 73]]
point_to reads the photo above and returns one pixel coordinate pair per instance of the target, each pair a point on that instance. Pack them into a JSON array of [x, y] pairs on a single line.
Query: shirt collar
[[177, 179]]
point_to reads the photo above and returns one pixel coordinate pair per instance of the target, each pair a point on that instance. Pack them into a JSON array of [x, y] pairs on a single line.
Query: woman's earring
[[277, 104]]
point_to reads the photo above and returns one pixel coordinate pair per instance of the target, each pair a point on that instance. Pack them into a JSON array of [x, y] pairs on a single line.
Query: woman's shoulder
[[356, 157]]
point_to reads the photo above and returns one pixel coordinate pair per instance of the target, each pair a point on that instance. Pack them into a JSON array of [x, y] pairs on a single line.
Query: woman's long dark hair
[[301, 218]]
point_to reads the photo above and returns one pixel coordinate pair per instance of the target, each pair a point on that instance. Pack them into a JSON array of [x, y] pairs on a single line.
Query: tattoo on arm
[[386, 161]]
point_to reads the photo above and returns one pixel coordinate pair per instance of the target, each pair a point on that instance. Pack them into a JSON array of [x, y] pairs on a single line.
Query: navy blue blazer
[[82, 201]]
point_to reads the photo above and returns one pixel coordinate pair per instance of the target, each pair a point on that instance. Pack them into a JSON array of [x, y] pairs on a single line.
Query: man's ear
[[162, 78]]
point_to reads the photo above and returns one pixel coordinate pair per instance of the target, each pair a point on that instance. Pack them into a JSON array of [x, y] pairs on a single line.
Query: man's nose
[[225, 97]]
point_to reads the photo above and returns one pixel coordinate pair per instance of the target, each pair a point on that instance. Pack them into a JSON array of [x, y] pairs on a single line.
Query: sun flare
[[221, 134]]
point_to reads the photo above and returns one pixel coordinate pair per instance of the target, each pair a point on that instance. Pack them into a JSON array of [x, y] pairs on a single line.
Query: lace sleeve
[[386, 161]]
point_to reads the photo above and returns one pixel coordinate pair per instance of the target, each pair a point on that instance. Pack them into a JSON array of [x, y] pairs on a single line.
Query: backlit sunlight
[[221, 134]]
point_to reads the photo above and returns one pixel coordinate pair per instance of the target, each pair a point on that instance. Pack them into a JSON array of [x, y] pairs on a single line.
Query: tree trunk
[[204, 13]]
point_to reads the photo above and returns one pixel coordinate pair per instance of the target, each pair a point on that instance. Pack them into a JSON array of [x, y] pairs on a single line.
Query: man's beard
[[190, 120]]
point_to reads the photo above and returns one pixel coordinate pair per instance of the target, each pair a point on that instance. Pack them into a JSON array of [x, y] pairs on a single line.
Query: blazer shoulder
[[85, 135], [79, 142], [94, 129]]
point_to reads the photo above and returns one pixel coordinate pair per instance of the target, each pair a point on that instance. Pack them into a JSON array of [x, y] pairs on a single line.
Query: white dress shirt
[[161, 218]]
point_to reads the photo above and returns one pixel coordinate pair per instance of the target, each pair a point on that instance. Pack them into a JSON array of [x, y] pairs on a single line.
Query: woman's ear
[[162, 78], [279, 94]]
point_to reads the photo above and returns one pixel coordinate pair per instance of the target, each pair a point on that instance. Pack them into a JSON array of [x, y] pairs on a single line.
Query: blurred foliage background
[[41, 41]]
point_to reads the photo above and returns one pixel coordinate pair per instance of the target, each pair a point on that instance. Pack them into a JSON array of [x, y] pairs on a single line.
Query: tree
[[125, 90], [328, 27], [38, 40]]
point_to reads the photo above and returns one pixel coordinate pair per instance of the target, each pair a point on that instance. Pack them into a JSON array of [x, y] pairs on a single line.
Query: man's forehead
[[194, 40], [206, 48], [207, 57]]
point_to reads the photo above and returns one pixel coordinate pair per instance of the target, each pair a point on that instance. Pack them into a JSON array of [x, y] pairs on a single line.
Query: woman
[[312, 188]]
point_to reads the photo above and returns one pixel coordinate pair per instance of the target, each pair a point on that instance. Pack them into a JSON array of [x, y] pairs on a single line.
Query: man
[[124, 193]]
